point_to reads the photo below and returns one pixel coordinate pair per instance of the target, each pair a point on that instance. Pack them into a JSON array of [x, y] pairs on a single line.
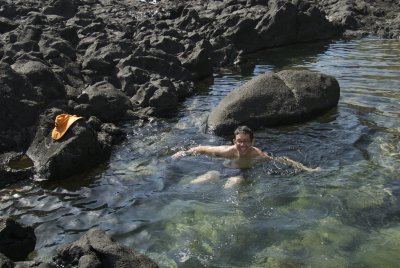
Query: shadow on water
[[280, 58]]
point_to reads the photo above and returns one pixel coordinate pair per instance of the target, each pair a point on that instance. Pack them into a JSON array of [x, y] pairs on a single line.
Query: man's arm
[[209, 150], [287, 161]]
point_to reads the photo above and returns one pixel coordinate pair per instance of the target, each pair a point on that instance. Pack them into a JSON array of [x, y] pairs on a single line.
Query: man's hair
[[245, 130]]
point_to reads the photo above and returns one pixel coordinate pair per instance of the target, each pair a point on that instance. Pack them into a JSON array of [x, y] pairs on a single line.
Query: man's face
[[243, 143]]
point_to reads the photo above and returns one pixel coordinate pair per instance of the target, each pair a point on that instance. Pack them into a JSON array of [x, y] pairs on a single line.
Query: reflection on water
[[347, 215]]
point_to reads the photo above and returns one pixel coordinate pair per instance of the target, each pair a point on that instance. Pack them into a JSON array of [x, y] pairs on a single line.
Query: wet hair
[[245, 130]]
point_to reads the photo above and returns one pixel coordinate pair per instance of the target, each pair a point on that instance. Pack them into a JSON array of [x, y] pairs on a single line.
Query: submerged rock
[[275, 99], [97, 249], [380, 249]]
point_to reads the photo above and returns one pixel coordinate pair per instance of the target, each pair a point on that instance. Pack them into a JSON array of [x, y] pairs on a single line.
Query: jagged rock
[[109, 104], [42, 77], [199, 61]]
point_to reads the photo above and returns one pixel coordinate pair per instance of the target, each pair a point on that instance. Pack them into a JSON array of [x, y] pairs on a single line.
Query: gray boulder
[[275, 99], [16, 240], [97, 249]]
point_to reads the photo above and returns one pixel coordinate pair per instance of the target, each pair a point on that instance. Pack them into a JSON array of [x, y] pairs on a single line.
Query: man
[[241, 151]]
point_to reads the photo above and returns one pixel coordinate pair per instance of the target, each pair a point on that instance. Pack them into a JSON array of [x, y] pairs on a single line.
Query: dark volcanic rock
[[18, 109], [109, 104], [6, 25], [78, 150], [14, 167], [16, 240], [41, 77]]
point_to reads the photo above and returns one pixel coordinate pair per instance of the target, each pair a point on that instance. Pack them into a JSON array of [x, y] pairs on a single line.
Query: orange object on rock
[[62, 124]]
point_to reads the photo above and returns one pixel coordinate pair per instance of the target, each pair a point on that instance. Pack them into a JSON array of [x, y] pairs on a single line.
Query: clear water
[[347, 215]]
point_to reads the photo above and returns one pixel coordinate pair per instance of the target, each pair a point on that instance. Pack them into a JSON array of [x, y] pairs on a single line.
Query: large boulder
[[16, 240], [78, 150], [275, 99], [97, 249]]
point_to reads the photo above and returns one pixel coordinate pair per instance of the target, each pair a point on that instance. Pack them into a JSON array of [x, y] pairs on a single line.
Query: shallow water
[[346, 215]]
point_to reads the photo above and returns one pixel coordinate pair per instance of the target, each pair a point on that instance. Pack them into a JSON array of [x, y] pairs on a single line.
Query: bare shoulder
[[257, 152]]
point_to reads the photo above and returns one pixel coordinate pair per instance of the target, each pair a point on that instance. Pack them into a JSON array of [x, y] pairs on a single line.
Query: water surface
[[347, 215]]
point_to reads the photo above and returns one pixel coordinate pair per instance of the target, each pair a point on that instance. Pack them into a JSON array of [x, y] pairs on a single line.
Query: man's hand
[[178, 154]]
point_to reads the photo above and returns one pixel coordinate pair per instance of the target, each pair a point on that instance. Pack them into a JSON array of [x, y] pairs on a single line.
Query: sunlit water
[[346, 215]]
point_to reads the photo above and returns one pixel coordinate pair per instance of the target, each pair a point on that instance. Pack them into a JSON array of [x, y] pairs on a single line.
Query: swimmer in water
[[242, 152]]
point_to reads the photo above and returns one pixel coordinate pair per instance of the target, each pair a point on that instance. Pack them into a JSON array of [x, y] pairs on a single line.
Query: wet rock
[[116, 134], [78, 150], [16, 240], [275, 99], [97, 249], [14, 166]]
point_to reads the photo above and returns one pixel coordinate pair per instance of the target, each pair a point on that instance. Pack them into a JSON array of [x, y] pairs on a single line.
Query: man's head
[[243, 140], [244, 130]]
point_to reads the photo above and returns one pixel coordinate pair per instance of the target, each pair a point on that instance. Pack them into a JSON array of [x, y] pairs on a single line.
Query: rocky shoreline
[[113, 61]]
